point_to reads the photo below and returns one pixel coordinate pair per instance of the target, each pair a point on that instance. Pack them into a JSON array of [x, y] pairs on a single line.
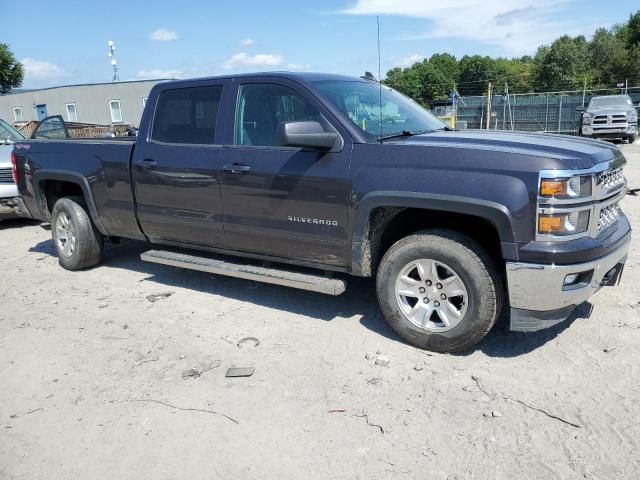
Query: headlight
[[633, 118], [566, 188], [586, 119], [564, 223]]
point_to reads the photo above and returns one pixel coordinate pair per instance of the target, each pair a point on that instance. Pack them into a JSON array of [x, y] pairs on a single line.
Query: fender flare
[[71, 177], [495, 213]]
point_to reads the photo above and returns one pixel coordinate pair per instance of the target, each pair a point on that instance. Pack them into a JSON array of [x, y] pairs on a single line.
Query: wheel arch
[[376, 212], [42, 179]]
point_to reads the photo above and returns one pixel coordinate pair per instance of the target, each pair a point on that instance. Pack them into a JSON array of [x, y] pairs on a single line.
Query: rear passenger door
[[281, 201], [176, 166]]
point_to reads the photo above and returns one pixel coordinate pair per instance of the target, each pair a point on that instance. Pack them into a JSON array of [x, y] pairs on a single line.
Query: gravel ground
[[91, 379]]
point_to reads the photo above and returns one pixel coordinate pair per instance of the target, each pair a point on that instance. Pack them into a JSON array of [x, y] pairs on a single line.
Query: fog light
[[571, 279]]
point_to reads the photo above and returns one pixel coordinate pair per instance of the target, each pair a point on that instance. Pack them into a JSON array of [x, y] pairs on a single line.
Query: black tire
[[631, 139], [472, 264], [89, 242]]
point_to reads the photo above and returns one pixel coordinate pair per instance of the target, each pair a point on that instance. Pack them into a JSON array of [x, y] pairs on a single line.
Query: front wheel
[[78, 242], [439, 290]]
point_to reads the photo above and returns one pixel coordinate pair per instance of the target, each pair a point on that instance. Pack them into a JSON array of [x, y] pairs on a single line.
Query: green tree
[[633, 30], [406, 81], [562, 65], [11, 71], [475, 72], [608, 59], [633, 68]]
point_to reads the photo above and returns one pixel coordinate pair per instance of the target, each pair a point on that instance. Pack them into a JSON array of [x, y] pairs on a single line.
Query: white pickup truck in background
[[8, 189]]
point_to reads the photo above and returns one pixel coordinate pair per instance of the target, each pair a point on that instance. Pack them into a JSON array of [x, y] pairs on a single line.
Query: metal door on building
[[41, 111]]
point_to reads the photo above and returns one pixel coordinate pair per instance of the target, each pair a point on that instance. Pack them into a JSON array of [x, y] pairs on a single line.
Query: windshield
[[360, 101], [603, 102], [8, 134]]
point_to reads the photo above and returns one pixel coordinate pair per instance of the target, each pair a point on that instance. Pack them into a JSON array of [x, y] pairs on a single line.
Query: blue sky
[[65, 42]]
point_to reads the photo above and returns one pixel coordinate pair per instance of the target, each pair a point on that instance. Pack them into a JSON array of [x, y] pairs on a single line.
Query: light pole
[[114, 63]]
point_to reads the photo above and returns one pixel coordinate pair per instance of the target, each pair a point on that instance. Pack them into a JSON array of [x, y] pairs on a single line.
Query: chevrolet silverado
[[304, 179]]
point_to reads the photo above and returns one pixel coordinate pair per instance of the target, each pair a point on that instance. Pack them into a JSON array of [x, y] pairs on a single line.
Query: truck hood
[[573, 152]]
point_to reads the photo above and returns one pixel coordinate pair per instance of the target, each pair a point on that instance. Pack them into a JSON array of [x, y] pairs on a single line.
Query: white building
[[118, 103]]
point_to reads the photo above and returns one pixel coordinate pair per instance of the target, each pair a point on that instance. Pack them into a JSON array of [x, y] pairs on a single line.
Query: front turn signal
[[550, 224], [553, 188]]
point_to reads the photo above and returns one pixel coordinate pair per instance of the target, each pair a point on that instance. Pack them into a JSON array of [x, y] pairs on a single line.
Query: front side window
[[187, 115], [263, 107], [72, 113], [17, 114], [360, 101], [116, 111]]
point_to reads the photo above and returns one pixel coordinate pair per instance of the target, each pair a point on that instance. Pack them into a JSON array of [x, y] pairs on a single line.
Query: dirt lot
[[92, 387]]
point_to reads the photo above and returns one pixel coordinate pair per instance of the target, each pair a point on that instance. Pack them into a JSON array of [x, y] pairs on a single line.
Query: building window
[[17, 114], [72, 113], [144, 101], [116, 111]]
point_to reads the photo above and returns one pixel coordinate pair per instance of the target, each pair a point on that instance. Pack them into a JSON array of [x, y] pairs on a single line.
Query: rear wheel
[[439, 290], [78, 242]]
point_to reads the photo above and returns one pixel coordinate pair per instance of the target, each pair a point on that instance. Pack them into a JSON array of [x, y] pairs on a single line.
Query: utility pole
[[489, 107], [504, 104], [506, 86], [584, 90], [114, 63]]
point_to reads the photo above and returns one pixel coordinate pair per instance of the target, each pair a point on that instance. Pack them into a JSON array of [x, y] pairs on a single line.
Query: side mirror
[[581, 109], [306, 135]]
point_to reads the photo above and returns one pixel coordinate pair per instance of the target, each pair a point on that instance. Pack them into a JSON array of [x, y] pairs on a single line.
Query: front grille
[[617, 119], [610, 181], [6, 175], [608, 216]]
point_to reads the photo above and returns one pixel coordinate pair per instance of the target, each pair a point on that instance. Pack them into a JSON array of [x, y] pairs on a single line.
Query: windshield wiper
[[403, 133], [447, 128]]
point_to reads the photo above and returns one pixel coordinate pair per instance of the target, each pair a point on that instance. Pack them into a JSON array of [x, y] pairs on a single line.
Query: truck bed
[[101, 164]]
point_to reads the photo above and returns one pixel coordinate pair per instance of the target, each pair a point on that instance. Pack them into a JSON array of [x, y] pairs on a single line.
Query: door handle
[[147, 163], [237, 168]]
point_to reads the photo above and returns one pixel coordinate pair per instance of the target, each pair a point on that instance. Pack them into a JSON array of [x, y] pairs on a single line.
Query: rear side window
[[187, 115]]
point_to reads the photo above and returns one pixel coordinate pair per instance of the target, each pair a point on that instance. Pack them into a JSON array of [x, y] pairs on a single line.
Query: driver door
[[282, 201]]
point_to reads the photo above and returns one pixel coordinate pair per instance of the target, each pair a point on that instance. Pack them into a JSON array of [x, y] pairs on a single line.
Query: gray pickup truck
[[325, 176], [612, 116]]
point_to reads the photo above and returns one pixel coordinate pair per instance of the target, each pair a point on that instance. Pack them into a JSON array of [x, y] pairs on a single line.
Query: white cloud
[[247, 42], [517, 26], [410, 60], [241, 60], [39, 69], [158, 73], [163, 35]]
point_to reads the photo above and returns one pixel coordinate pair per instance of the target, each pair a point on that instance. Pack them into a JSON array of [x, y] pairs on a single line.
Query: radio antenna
[[379, 77]]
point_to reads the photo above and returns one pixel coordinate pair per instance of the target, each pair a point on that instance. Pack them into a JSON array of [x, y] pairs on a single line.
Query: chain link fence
[[534, 112]]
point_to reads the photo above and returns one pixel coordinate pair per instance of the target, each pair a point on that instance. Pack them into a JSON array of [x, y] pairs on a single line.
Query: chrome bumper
[[538, 291], [621, 129]]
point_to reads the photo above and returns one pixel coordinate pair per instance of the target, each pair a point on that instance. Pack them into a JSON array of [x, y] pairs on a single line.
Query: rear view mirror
[[306, 135], [581, 109]]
